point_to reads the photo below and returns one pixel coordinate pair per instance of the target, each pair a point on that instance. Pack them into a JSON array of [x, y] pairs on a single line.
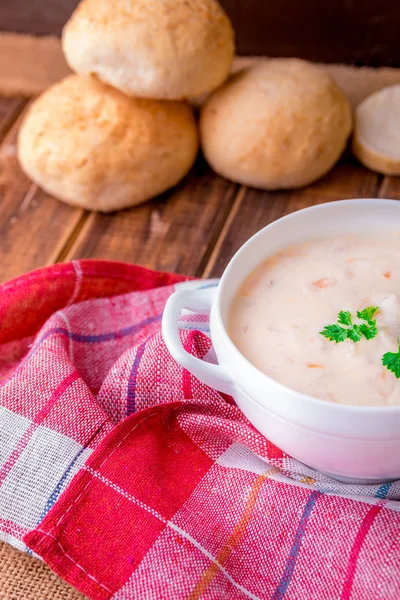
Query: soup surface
[[276, 318]]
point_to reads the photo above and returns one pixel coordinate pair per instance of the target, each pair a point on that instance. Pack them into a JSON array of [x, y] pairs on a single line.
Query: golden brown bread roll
[[91, 146], [280, 124], [166, 49], [376, 141]]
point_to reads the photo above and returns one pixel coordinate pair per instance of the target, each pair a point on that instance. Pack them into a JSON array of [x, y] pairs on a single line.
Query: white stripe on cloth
[[46, 459], [78, 282], [12, 428], [13, 541]]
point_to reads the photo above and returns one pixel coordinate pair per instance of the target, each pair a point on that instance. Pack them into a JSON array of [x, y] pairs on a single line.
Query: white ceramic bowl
[[349, 443]]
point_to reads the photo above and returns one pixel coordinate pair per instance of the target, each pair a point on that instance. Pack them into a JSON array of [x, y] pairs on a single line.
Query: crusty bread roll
[[91, 146], [280, 124], [165, 49], [376, 140]]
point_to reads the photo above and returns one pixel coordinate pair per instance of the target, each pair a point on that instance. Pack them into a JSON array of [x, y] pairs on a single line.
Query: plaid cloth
[[132, 480]]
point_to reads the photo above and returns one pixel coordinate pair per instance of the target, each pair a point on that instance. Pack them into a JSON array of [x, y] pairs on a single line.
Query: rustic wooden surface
[[194, 229], [349, 31]]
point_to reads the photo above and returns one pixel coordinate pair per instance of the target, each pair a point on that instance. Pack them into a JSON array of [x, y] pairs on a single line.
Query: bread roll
[[91, 146], [376, 141], [280, 124], [166, 49]]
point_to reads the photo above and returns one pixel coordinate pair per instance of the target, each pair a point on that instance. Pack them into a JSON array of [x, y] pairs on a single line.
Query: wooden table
[[193, 229]]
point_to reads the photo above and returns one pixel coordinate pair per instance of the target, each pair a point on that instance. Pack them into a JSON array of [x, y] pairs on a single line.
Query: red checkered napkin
[[134, 481]]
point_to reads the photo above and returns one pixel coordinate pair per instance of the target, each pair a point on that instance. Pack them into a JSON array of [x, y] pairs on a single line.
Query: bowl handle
[[198, 301]]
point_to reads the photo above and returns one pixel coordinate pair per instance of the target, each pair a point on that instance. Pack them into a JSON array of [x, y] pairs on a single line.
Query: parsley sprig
[[391, 360], [346, 329]]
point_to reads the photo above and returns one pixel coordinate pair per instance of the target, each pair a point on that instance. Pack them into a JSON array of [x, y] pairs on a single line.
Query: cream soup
[[276, 317]]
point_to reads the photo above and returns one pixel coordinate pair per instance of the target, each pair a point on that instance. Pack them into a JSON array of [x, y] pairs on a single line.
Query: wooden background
[[359, 32], [193, 229]]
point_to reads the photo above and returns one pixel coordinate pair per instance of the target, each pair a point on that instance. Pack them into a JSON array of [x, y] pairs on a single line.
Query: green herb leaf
[[345, 318], [345, 329], [369, 331], [354, 334], [368, 313], [334, 333], [391, 360]]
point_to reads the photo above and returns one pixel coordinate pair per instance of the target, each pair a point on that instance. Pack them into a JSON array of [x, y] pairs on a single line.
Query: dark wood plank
[[390, 188], [341, 31], [34, 227], [172, 233], [40, 17], [9, 111], [337, 31], [255, 209]]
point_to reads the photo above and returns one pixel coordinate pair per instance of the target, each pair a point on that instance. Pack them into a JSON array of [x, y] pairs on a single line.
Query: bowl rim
[[313, 401]]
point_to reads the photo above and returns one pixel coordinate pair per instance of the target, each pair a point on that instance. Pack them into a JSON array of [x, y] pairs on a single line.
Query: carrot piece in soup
[[388, 274], [314, 366], [323, 282]]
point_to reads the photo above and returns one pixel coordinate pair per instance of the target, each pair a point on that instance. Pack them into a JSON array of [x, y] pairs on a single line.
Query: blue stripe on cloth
[[57, 490], [295, 549], [55, 493], [383, 490], [131, 396], [85, 338], [103, 337]]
